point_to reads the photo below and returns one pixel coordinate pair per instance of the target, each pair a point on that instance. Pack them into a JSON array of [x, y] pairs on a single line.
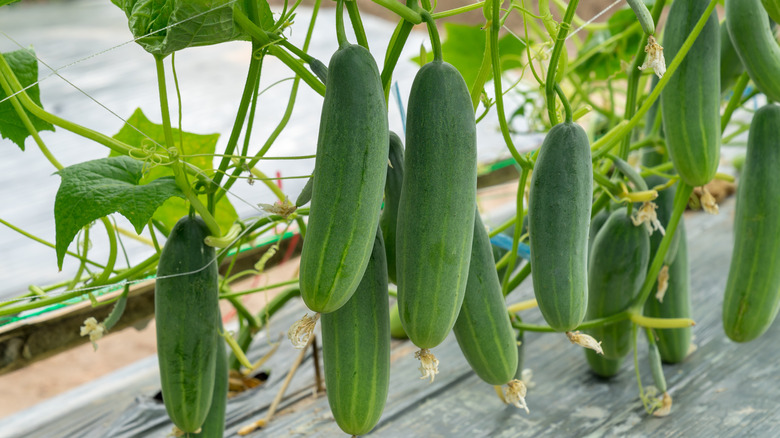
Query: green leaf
[[264, 11], [195, 23], [465, 46], [7, 2], [197, 149], [25, 67], [97, 188]]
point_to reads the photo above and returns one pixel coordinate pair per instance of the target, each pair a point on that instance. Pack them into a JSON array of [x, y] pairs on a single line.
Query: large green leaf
[[192, 23], [97, 188], [465, 46], [197, 149], [25, 67]]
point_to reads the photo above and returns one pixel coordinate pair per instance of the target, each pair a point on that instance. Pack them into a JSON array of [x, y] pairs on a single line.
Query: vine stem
[[495, 26], [549, 85], [341, 33], [402, 11], [357, 23], [176, 166], [434, 34], [604, 143], [680, 201], [517, 232], [735, 100], [49, 244]]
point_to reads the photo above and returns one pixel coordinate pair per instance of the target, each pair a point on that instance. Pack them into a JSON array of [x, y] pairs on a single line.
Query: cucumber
[[389, 218], [603, 366], [186, 313], [305, 196], [558, 225], [673, 344], [730, 65], [438, 199], [618, 266], [396, 328], [356, 350], [349, 178], [214, 425], [690, 102], [483, 330], [752, 294], [754, 41]]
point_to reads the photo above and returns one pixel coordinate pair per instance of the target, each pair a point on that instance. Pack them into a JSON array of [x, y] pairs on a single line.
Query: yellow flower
[[655, 57], [586, 341], [429, 365]]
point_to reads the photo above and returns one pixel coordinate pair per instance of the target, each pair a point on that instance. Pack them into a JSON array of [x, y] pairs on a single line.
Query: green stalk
[[402, 11], [549, 86], [434, 34], [341, 33], [734, 102], [518, 231], [357, 23], [680, 201], [456, 11], [176, 166], [252, 79], [258, 289], [515, 281], [495, 26], [394, 49]]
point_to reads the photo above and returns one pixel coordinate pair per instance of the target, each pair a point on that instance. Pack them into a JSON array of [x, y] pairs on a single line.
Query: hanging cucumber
[[690, 102], [356, 350], [559, 220], [389, 218], [436, 210], [618, 266], [349, 178], [752, 294], [214, 425], [483, 330], [186, 313], [754, 41]]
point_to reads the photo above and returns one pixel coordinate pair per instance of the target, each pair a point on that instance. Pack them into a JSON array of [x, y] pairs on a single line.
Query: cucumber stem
[[434, 35], [357, 23], [341, 33], [550, 83]]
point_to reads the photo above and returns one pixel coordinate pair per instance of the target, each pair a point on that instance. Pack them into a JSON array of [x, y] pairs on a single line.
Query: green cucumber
[[603, 366], [389, 218], [755, 44], [618, 266], [690, 102], [349, 178], [483, 330], [673, 344], [186, 313], [558, 225], [730, 65], [438, 198], [396, 328], [305, 196], [356, 350], [214, 425], [752, 294]]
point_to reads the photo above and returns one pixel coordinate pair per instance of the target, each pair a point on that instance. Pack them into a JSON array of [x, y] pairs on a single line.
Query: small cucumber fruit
[[618, 266], [187, 317], [558, 223], [356, 350], [389, 218], [483, 329], [752, 294], [690, 102], [349, 178], [438, 198], [755, 43], [730, 65]]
